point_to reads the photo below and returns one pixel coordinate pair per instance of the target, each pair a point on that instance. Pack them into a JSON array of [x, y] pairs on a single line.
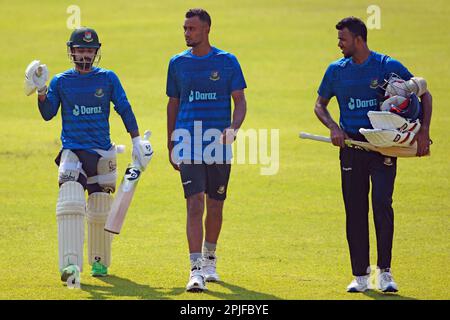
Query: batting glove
[[142, 150]]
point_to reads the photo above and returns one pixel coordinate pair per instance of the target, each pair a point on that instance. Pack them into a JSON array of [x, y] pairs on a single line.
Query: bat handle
[[305, 135], [120, 148]]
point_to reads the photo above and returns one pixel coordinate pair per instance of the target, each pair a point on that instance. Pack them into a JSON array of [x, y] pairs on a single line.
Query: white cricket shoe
[[196, 279], [386, 282], [359, 284], [209, 267]]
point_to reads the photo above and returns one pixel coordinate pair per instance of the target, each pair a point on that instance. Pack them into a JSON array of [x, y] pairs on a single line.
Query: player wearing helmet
[[87, 159]]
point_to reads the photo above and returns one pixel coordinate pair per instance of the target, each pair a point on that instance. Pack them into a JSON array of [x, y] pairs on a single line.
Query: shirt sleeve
[[326, 86], [121, 104], [395, 66], [49, 107], [172, 88], [237, 78]]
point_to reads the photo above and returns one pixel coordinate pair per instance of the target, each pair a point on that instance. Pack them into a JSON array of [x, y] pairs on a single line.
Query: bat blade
[[404, 152], [122, 200], [393, 151]]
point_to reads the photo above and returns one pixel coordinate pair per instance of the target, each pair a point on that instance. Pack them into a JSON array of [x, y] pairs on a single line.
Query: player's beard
[[192, 44], [348, 53], [84, 63]]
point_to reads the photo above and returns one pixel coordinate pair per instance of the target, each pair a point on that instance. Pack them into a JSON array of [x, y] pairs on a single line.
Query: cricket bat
[[122, 200], [388, 151]]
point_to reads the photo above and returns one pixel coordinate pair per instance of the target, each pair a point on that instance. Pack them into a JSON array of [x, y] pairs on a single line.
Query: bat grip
[[305, 135]]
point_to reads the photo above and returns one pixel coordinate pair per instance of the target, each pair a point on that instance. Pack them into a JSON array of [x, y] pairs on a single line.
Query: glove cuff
[[42, 91], [136, 140]]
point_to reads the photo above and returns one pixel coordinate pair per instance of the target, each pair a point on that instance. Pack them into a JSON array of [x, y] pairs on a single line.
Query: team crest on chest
[[99, 93], [214, 76], [87, 36], [374, 84]]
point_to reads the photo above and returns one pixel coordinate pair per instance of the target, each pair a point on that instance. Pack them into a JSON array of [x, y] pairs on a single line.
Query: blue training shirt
[[204, 86], [85, 107], [356, 87]]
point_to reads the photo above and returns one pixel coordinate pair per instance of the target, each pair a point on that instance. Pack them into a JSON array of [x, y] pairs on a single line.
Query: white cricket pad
[[106, 170], [99, 241], [70, 212], [389, 120], [387, 138], [70, 167]]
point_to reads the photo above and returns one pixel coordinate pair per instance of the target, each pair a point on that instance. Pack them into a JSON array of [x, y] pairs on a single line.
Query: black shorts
[[209, 178]]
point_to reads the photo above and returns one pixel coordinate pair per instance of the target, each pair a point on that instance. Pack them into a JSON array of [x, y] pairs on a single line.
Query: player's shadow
[[121, 287], [236, 292], [377, 295]]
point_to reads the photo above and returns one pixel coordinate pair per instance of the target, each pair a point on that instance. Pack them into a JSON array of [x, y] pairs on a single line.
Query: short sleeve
[[326, 86], [172, 88], [237, 78], [395, 66]]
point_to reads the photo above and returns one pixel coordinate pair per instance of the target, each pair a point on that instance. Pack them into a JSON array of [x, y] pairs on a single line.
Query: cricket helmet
[[409, 108], [84, 38]]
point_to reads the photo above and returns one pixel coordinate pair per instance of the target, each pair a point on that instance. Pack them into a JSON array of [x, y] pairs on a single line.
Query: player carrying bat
[[88, 158], [355, 80]]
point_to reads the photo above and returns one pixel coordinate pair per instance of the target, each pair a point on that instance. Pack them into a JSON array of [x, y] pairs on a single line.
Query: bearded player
[[87, 160], [201, 82], [355, 81]]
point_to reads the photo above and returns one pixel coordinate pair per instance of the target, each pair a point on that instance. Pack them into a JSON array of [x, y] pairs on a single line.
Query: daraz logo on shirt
[[358, 103], [77, 110], [202, 96]]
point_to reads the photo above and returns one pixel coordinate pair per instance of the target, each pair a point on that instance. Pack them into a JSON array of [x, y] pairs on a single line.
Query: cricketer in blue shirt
[[356, 87], [203, 84], [87, 159], [85, 107], [355, 80]]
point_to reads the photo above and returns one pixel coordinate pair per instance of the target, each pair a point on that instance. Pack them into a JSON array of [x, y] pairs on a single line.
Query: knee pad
[[106, 170], [70, 167], [99, 241], [70, 212]]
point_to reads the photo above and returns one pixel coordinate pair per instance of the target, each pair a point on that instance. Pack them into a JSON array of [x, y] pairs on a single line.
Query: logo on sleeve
[[214, 76]]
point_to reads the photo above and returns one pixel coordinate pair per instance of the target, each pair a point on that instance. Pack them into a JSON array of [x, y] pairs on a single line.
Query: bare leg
[[194, 225], [213, 221]]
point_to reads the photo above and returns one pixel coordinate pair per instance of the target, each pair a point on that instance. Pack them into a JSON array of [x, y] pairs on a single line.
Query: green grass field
[[283, 236]]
